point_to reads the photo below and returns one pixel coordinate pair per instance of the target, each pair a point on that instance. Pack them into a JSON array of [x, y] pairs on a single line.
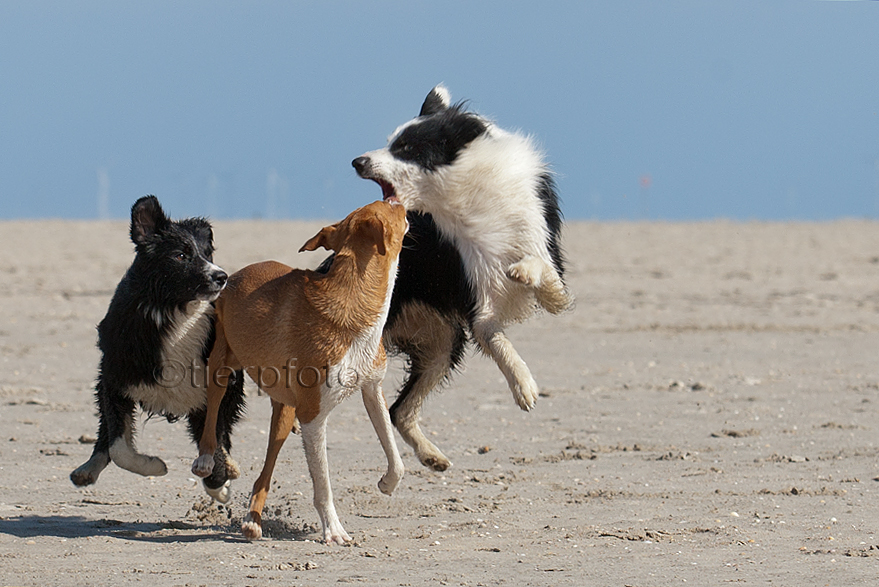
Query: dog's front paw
[[203, 465], [556, 302], [337, 536], [554, 296], [251, 527], [528, 271], [525, 393], [222, 494]]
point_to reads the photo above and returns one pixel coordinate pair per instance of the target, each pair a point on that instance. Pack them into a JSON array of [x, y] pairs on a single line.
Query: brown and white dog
[[310, 340]]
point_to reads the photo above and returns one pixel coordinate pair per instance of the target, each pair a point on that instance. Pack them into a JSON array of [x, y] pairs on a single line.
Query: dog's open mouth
[[389, 194]]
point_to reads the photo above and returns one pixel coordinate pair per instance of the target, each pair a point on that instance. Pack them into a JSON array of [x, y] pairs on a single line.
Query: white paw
[[251, 528], [555, 299], [338, 536], [155, 467], [203, 465], [232, 468], [222, 494], [528, 271], [388, 483], [525, 393], [125, 456]]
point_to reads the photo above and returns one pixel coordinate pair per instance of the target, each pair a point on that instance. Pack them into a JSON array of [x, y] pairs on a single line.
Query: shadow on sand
[[81, 527], [157, 532]]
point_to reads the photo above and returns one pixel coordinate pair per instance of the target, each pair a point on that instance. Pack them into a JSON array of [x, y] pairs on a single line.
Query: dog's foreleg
[[552, 293], [548, 287], [207, 445], [314, 438], [283, 421], [219, 483], [374, 400], [493, 341]]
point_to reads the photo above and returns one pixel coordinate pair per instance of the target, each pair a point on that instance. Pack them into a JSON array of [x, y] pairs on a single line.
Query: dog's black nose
[[219, 278], [360, 164]]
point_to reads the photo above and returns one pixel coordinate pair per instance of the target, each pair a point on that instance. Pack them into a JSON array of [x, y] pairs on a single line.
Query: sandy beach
[[709, 415]]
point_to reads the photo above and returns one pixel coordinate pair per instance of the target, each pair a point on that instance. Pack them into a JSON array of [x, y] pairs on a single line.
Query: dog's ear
[[324, 239], [147, 218], [437, 100], [374, 228]]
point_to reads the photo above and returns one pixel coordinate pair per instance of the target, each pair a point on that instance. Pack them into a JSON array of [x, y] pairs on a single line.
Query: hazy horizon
[[673, 111]]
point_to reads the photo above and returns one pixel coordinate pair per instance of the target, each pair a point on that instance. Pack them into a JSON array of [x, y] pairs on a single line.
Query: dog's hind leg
[[494, 342], [374, 400], [435, 346], [88, 472], [548, 287], [406, 410], [124, 455], [283, 422], [116, 440]]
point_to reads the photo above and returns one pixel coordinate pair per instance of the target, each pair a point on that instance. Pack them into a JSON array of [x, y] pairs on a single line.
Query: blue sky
[[741, 110]]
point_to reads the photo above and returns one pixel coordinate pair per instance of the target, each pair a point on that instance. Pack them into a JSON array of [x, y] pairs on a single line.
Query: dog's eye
[[180, 257]]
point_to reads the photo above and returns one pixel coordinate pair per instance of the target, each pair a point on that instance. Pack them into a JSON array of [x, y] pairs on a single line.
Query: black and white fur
[[483, 250], [155, 340]]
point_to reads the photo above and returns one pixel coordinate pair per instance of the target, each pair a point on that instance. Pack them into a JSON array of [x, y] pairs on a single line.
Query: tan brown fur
[[271, 317], [283, 422]]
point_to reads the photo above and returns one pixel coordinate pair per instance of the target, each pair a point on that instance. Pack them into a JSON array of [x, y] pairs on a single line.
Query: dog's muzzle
[[215, 282], [361, 166], [219, 279]]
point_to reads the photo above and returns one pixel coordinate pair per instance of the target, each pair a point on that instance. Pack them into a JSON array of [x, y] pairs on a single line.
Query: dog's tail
[[552, 214]]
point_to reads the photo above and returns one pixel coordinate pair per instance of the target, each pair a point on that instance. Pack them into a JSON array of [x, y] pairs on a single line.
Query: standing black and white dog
[[483, 250], [155, 340]]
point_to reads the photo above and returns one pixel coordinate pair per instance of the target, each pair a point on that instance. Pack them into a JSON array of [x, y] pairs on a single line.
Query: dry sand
[[708, 416]]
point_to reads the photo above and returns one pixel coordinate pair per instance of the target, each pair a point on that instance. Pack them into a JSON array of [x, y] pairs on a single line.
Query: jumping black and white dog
[[155, 340], [483, 250]]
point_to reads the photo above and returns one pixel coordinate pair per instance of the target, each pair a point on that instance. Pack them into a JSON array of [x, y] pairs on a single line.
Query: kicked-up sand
[[709, 415]]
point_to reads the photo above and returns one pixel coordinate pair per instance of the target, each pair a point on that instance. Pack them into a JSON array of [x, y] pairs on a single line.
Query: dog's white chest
[[357, 368], [180, 386]]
